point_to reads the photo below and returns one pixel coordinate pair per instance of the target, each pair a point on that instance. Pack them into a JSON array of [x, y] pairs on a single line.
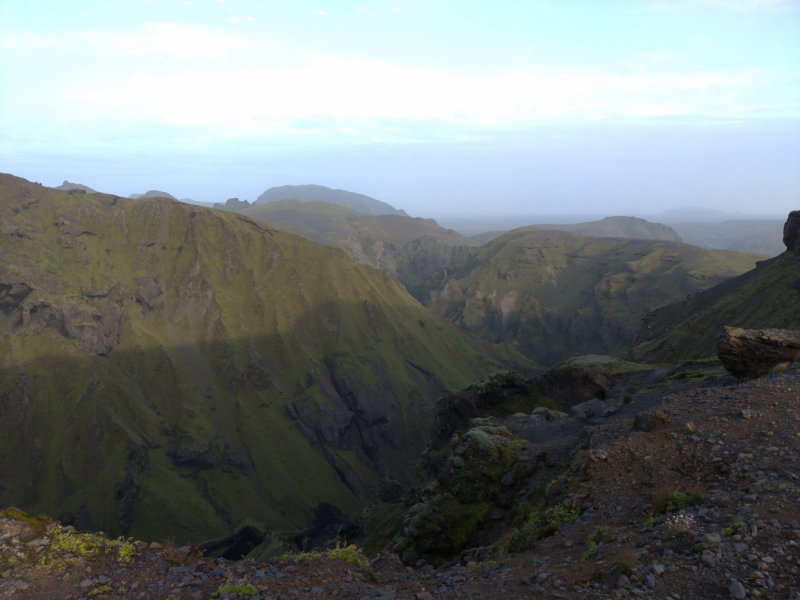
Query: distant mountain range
[[744, 235], [626, 227], [698, 215], [153, 194], [307, 193]]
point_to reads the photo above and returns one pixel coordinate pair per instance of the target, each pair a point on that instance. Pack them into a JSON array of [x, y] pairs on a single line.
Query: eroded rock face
[[752, 353], [96, 328], [791, 231]]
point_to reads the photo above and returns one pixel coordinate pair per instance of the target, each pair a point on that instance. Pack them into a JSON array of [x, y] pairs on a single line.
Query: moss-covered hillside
[[555, 294], [766, 297], [168, 370]]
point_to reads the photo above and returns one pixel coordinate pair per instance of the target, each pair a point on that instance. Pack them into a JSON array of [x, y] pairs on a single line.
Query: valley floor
[[725, 459]]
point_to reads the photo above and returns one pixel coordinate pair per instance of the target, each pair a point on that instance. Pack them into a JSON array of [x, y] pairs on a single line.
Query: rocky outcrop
[[245, 538], [95, 328], [232, 204], [501, 394], [752, 353], [791, 231], [475, 474], [572, 383]]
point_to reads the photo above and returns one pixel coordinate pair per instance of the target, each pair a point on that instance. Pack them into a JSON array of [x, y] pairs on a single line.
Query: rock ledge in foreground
[[752, 353]]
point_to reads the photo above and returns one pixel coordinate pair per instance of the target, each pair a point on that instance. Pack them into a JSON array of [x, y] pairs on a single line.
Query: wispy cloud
[[170, 40], [320, 12], [339, 92]]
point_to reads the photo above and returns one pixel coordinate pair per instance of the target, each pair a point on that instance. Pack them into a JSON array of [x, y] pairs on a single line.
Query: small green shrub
[[671, 501], [591, 550], [674, 531], [350, 554], [245, 589], [477, 566], [566, 512]]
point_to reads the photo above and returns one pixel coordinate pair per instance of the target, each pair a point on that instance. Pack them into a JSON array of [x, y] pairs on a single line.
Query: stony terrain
[[687, 493]]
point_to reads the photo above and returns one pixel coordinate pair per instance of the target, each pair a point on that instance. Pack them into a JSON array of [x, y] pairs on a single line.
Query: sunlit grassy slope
[[554, 294], [174, 370]]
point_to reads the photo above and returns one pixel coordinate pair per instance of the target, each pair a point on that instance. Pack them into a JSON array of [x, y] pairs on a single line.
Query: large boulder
[[751, 353]]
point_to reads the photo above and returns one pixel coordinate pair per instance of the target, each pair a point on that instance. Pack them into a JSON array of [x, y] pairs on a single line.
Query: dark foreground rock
[[753, 353], [791, 231]]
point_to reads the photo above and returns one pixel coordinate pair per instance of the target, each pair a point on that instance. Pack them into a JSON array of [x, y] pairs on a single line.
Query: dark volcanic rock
[[238, 544], [791, 231], [570, 383], [752, 353], [390, 491]]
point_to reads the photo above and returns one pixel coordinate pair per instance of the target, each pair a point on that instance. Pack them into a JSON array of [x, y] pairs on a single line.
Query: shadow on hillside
[[171, 435]]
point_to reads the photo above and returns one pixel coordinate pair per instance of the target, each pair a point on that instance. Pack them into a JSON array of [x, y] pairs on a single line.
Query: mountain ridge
[[358, 202], [629, 227]]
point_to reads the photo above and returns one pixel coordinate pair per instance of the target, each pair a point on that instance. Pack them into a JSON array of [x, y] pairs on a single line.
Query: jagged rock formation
[[168, 370], [752, 353]]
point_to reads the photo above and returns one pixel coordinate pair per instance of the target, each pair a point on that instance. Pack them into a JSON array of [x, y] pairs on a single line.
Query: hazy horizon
[[468, 110]]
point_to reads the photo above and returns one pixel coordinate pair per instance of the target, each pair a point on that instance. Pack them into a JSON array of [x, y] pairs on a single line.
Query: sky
[[535, 110]]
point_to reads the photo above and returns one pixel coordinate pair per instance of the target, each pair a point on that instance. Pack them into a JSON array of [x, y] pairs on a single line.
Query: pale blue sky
[[439, 107]]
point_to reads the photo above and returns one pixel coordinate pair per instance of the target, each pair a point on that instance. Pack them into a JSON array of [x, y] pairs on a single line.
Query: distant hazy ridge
[[357, 202]]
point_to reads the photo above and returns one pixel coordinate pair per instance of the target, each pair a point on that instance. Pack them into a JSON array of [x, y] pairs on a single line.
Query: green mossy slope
[[169, 371], [766, 297], [555, 294]]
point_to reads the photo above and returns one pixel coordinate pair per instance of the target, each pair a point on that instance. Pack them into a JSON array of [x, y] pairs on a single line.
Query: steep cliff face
[[168, 370], [414, 251]]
